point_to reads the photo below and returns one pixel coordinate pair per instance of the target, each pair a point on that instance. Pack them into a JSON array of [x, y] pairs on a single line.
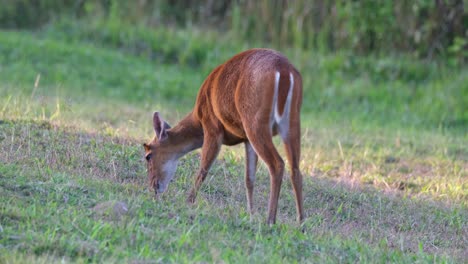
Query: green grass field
[[384, 156]]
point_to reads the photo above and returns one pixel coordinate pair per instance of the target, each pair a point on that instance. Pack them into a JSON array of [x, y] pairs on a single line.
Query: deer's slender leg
[[251, 159], [210, 149], [260, 138], [292, 145]]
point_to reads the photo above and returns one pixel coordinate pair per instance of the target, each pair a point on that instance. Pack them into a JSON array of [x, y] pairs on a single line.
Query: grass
[[52, 194], [385, 179]]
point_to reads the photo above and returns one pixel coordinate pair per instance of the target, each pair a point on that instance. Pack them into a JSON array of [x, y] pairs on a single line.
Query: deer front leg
[[251, 159], [210, 150]]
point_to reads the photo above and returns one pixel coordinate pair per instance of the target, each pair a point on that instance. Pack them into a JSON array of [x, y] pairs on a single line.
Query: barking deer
[[252, 97]]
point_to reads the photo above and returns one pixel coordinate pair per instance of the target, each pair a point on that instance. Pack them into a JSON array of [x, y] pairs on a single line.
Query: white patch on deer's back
[[274, 107], [282, 120], [169, 169]]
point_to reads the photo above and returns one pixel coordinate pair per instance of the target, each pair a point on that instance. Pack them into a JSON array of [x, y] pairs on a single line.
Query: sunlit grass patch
[[45, 147]]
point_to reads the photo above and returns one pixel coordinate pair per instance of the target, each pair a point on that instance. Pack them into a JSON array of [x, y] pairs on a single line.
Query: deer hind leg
[[288, 124], [292, 143], [260, 138], [250, 169], [210, 149]]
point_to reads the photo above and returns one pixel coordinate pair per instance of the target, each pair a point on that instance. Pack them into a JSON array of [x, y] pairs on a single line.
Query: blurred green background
[[424, 28], [400, 62]]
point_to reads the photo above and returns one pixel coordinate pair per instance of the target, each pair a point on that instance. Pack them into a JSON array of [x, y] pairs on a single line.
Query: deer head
[[160, 157]]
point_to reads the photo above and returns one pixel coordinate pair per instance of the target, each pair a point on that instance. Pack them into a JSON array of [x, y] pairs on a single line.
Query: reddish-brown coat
[[235, 105]]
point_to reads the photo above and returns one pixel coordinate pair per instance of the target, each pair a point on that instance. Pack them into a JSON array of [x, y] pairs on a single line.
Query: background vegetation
[[384, 131], [424, 28]]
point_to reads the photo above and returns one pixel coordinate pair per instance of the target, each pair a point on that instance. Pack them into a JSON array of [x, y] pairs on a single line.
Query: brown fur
[[234, 106]]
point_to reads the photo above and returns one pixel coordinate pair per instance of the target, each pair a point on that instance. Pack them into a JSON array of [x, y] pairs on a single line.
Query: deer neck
[[186, 136]]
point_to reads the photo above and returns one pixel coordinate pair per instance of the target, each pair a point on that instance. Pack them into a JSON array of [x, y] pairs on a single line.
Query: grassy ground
[[384, 159]]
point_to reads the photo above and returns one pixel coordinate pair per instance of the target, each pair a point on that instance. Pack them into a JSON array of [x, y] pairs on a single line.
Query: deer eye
[[148, 156]]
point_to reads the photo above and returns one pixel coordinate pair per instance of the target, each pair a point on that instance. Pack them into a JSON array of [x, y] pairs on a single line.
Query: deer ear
[[160, 126], [146, 146]]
